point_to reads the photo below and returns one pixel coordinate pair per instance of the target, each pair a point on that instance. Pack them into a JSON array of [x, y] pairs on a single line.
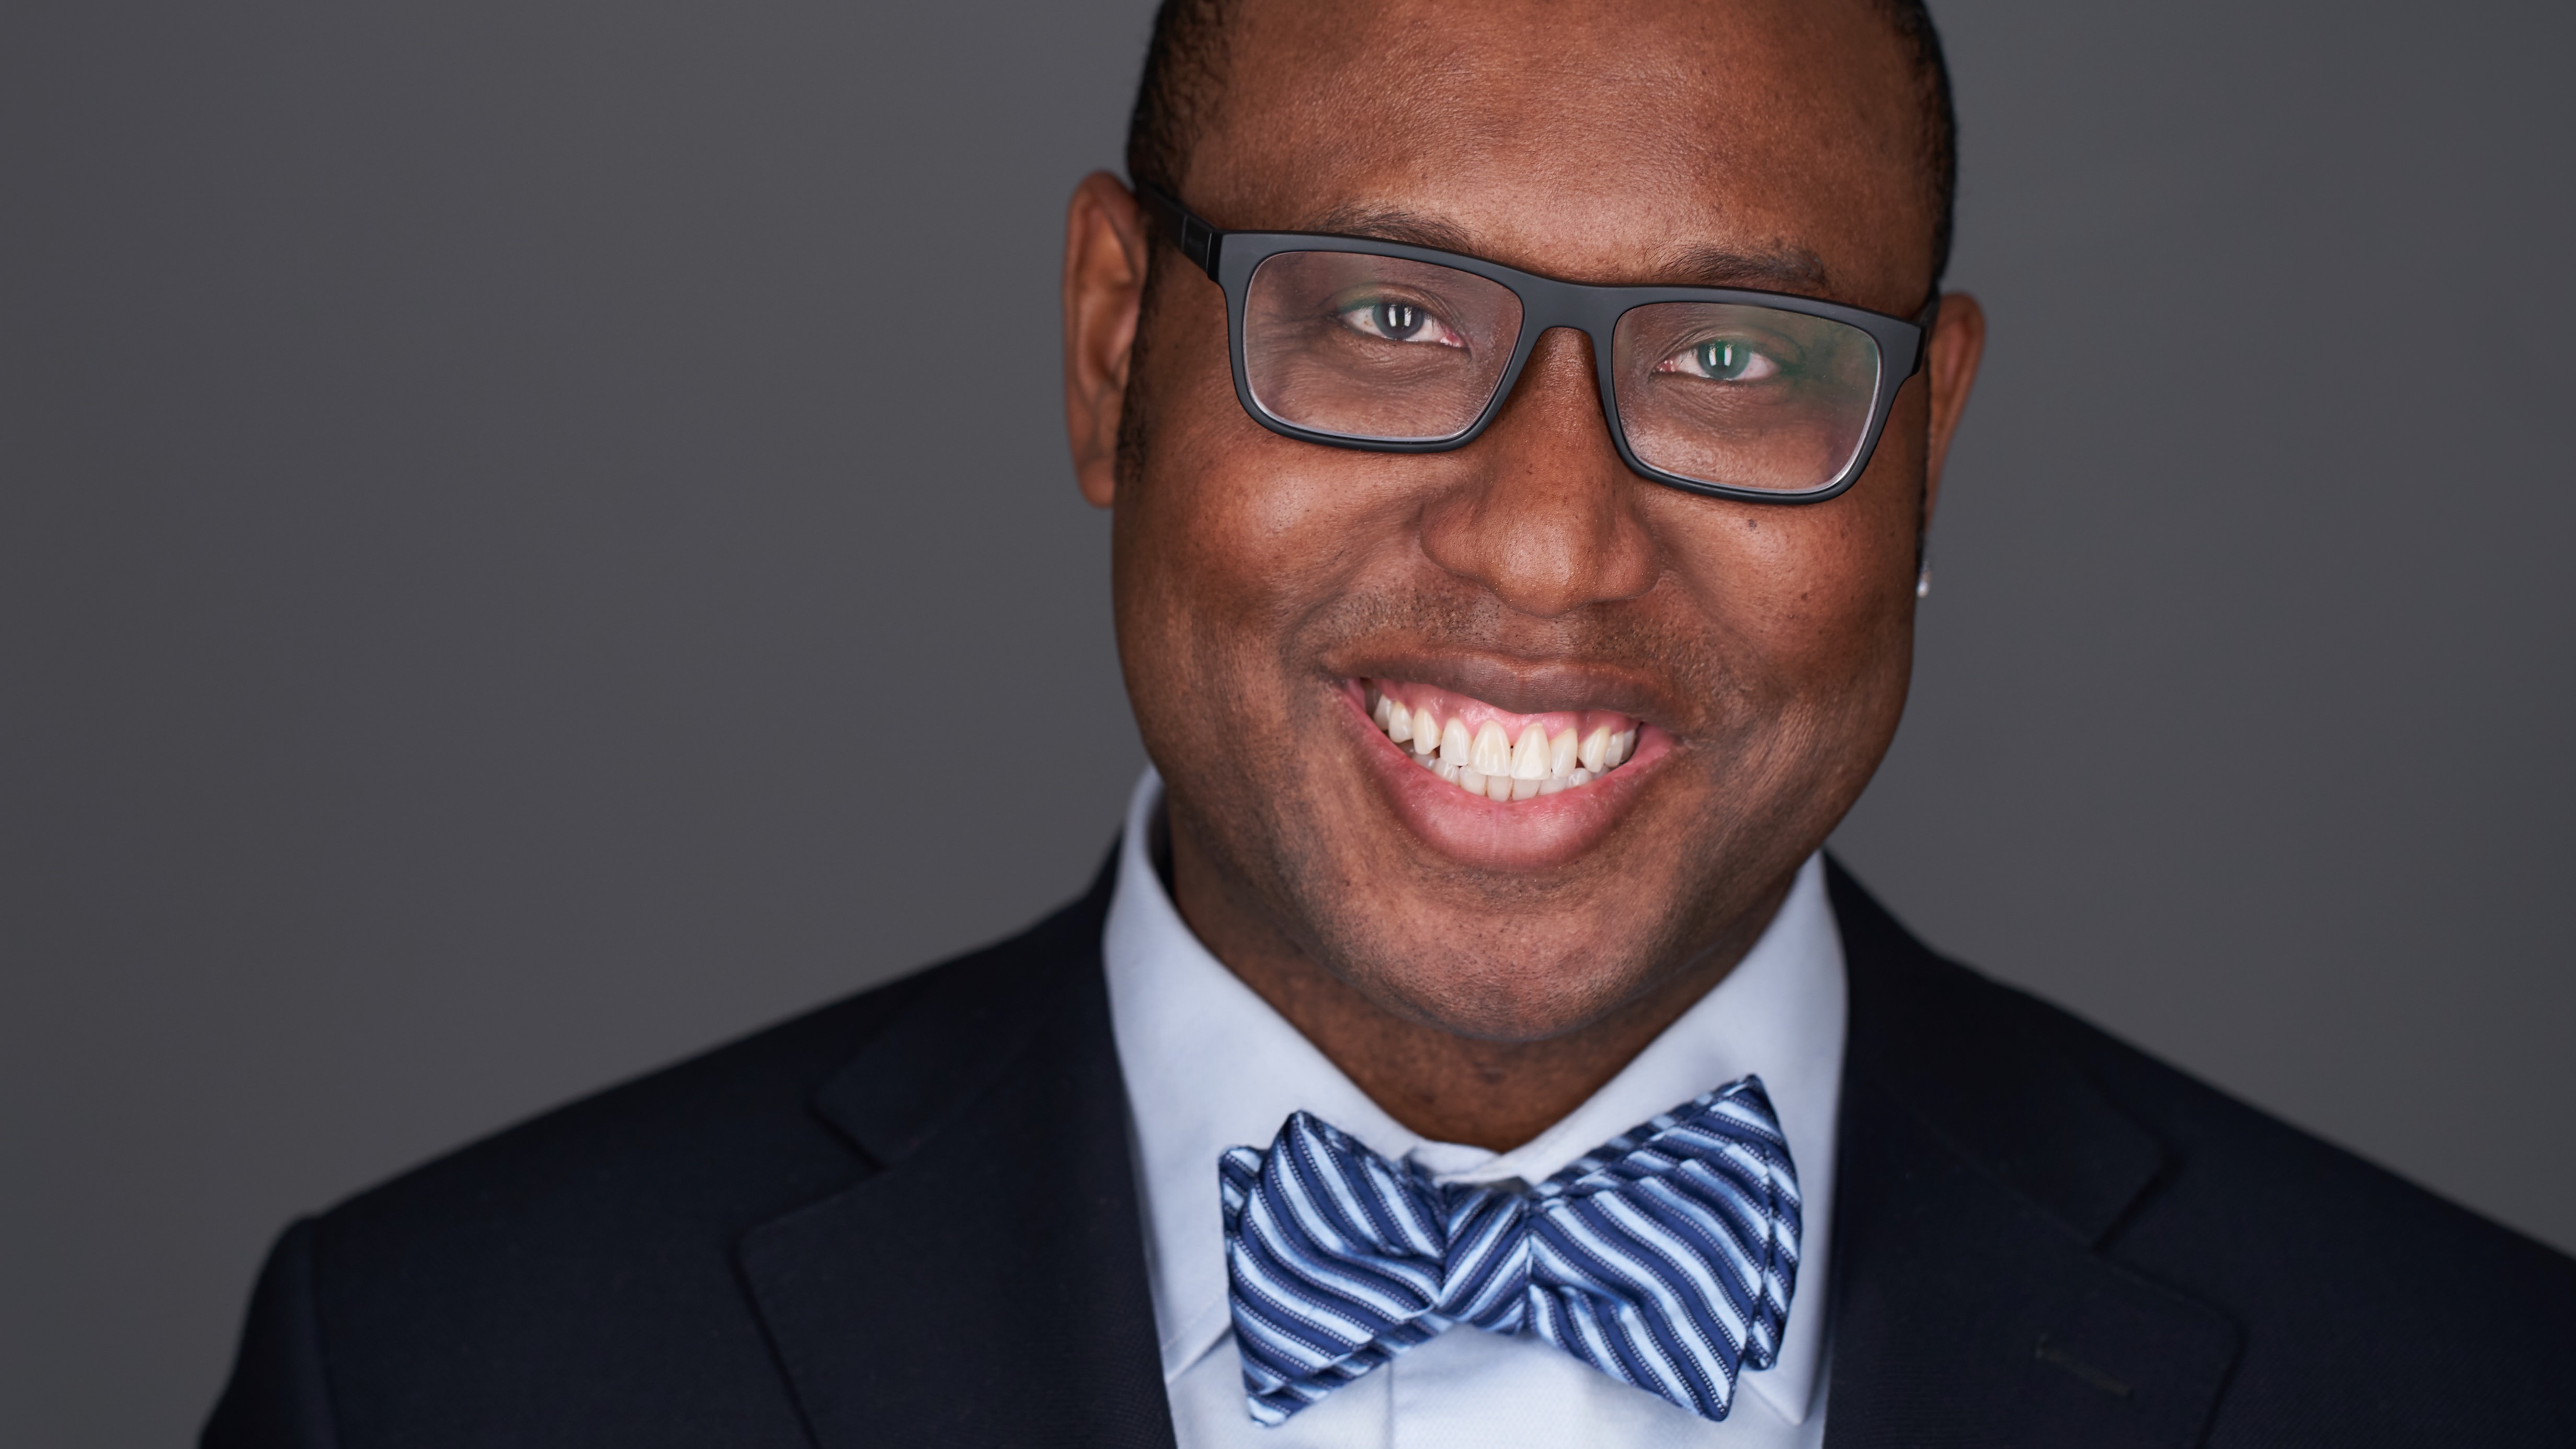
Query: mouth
[[1496, 754]]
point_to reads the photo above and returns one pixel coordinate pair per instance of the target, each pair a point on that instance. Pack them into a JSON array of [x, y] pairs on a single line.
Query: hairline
[[1183, 83]]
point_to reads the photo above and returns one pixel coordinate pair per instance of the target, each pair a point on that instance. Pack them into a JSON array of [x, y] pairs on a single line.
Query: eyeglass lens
[[1384, 349]]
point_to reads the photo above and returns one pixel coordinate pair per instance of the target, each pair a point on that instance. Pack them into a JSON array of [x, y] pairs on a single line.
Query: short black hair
[[1185, 68]]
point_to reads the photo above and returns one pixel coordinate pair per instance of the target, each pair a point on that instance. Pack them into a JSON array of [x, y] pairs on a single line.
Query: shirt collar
[[1209, 1065]]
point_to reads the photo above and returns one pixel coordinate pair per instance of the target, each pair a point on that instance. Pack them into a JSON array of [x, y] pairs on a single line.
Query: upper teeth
[[1487, 761]]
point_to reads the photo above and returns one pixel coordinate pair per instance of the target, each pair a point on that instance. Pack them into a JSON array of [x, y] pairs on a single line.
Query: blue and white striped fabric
[[1665, 1258]]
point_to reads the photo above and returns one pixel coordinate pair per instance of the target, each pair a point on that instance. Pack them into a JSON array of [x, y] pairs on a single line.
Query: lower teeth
[[1475, 783]]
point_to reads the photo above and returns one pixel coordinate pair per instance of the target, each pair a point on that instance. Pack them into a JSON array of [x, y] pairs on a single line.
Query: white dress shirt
[[1209, 1065]]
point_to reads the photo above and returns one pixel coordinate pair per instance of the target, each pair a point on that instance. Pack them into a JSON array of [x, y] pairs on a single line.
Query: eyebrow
[[1379, 223], [1791, 269], [1700, 264]]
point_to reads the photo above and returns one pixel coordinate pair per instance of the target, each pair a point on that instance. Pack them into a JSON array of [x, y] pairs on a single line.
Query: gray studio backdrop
[[534, 537]]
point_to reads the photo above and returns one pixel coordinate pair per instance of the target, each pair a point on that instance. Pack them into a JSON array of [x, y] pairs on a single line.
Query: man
[[1521, 423]]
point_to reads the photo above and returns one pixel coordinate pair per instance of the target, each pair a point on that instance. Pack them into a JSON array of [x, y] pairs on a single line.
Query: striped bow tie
[[1665, 1258]]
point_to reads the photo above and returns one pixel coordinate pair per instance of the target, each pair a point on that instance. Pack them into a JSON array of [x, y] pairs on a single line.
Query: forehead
[[1607, 142]]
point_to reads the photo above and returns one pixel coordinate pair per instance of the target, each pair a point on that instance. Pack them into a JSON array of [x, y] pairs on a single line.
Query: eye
[[1398, 321], [1722, 359]]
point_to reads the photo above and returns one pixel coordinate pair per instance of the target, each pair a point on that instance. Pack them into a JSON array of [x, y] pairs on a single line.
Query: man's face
[[1270, 590]]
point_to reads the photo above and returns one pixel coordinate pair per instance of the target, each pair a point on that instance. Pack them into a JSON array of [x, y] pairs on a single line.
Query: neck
[[1442, 1084]]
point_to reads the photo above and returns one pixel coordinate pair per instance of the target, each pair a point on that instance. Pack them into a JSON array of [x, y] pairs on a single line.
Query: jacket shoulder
[[2364, 1295], [577, 1270], [2363, 1299]]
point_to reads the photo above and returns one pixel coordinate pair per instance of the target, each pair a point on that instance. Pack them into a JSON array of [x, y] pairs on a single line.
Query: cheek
[[1255, 522], [1229, 537], [1807, 608], [1805, 589], [1254, 550]]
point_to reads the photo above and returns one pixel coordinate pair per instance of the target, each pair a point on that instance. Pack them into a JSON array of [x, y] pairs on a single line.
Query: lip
[[1516, 687], [1521, 836]]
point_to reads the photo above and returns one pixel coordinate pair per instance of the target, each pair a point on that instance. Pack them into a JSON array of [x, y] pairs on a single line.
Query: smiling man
[[1521, 423]]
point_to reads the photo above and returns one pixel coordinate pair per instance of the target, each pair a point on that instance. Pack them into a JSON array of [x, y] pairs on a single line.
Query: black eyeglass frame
[[1230, 257]]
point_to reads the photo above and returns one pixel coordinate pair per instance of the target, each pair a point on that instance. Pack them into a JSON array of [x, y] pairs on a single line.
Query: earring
[[1923, 583], [1922, 566]]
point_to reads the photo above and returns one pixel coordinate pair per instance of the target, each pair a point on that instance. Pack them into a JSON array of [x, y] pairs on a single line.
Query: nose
[[1545, 516]]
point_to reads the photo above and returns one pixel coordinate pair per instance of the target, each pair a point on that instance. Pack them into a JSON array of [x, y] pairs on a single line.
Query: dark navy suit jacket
[[909, 1218]]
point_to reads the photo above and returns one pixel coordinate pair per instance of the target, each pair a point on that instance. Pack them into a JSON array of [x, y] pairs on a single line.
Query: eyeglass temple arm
[[1197, 240], [1925, 319]]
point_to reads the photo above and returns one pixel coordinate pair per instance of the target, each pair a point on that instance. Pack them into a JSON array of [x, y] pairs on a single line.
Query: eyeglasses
[[1359, 343]]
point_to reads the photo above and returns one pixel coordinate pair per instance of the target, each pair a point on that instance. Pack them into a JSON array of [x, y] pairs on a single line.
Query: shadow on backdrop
[[534, 538]]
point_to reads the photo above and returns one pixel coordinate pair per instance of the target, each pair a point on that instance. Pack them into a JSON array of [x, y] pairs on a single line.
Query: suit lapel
[[1979, 1171], [986, 1286]]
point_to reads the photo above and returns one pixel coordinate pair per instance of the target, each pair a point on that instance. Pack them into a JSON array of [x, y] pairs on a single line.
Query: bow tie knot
[[1665, 1258]]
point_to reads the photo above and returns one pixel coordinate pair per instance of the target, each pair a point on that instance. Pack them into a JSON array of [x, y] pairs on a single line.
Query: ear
[[1958, 341], [1104, 285]]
